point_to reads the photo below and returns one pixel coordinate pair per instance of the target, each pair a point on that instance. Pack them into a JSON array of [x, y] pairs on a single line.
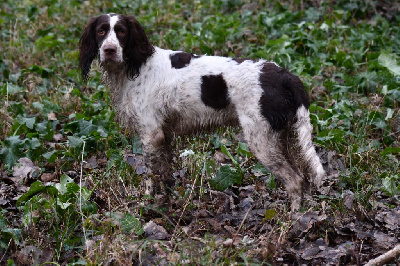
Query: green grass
[[346, 53]]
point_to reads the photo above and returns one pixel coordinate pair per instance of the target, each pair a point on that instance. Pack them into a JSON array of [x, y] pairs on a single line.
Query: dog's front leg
[[158, 157]]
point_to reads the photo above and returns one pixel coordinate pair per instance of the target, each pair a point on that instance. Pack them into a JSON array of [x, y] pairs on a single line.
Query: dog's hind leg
[[266, 145]]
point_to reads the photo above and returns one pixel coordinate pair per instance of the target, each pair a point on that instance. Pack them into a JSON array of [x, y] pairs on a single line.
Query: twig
[[237, 232], [386, 257], [186, 204], [7, 97], [289, 225], [5, 252], [80, 194]]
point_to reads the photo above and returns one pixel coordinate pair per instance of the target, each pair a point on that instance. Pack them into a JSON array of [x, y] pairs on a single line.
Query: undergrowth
[[346, 53]]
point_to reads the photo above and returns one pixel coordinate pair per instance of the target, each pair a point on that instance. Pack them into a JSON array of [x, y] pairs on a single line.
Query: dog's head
[[120, 41]]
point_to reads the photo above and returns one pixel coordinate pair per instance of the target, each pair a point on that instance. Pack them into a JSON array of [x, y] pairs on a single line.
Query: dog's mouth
[[110, 60], [111, 64]]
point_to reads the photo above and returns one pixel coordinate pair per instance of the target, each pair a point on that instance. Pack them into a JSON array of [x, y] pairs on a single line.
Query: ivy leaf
[[226, 176], [88, 207], [259, 168], [62, 186], [32, 144], [86, 127], [130, 224], [34, 189], [12, 150], [388, 60], [51, 156], [45, 130], [390, 150], [75, 142], [244, 150], [28, 121], [390, 185], [32, 148], [270, 183], [12, 89], [8, 233], [47, 107], [389, 114], [225, 151], [210, 165]]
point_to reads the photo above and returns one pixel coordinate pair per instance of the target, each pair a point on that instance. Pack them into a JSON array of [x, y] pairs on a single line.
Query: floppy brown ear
[[88, 48], [138, 48]]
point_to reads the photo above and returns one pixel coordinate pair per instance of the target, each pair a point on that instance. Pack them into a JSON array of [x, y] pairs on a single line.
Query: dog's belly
[[192, 121]]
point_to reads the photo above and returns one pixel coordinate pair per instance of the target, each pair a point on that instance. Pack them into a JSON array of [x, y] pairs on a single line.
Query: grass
[[346, 53]]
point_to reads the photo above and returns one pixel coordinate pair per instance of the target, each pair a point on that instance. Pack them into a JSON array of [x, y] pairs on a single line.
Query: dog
[[163, 93]]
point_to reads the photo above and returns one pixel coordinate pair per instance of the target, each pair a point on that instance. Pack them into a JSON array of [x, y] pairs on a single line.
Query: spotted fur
[[162, 93]]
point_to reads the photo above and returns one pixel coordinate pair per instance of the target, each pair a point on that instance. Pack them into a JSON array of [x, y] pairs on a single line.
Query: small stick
[[80, 196], [386, 257], [237, 232]]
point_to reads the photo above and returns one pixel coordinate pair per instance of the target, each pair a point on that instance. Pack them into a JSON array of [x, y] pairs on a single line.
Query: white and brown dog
[[161, 93]]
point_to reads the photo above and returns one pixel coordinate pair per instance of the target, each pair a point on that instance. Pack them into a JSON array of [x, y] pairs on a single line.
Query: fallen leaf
[[91, 163], [51, 116], [228, 242], [23, 167], [137, 162], [305, 222], [25, 170], [47, 177], [246, 203], [220, 157], [57, 137], [247, 191], [155, 231], [391, 219], [348, 199], [383, 241]]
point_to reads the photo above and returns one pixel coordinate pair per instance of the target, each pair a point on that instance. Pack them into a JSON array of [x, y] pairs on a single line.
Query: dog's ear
[[88, 47], [138, 48]]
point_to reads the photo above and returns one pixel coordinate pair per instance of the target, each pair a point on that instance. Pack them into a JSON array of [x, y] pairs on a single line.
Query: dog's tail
[[308, 156]]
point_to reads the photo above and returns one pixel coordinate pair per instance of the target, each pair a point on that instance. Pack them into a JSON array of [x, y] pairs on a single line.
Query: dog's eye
[[101, 32], [121, 33]]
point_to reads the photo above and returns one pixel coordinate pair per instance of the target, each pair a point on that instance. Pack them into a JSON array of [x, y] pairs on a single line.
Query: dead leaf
[[219, 157], [383, 241], [247, 191], [137, 162], [91, 163], [155, 231], [306, 221], [228, 242], [246, 203], [47, 177], [23, 167], [232, 242], [31, 255], [391, 219], [202, 213], [310, 253], [57, 137], [24, 170], [348, 199], [51, 116]]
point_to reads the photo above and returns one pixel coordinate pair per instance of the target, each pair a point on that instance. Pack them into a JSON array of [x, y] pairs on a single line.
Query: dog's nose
[[110, 50]]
